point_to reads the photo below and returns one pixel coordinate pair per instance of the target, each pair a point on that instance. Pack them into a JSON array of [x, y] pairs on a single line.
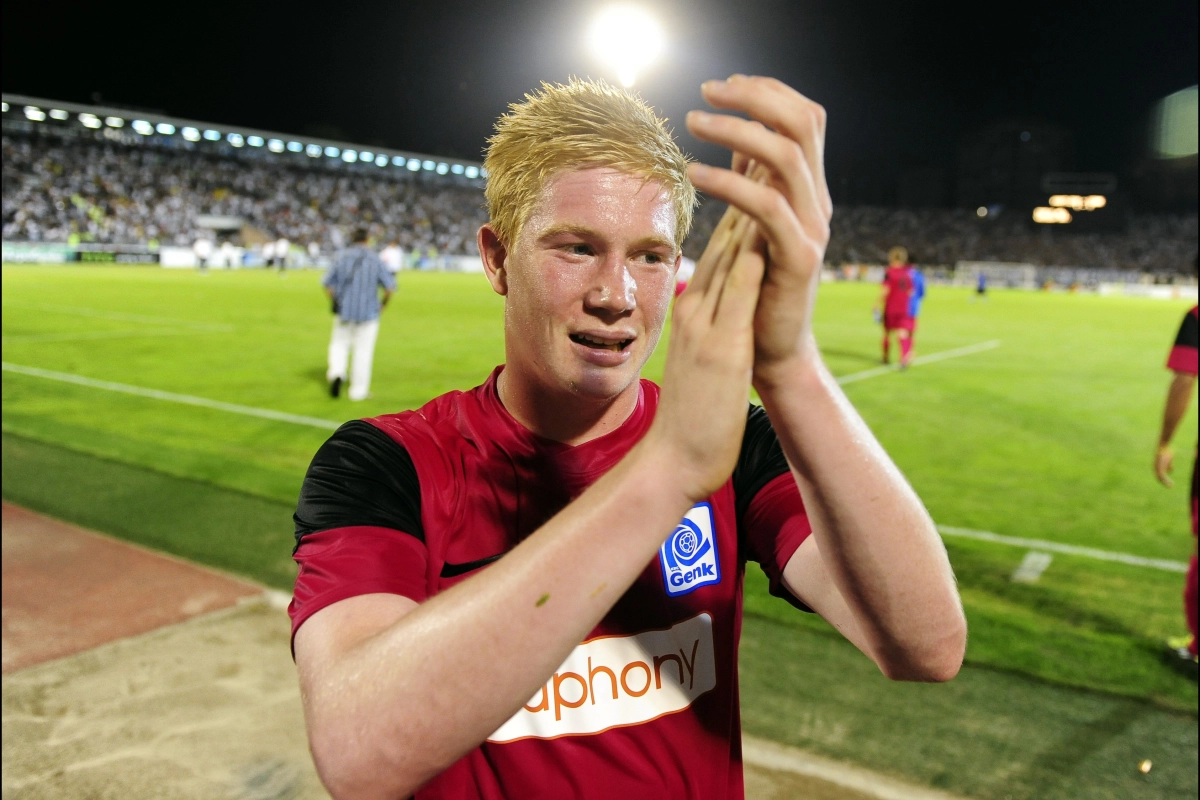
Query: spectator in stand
[[353, 284], [282, 245], [202, 248]]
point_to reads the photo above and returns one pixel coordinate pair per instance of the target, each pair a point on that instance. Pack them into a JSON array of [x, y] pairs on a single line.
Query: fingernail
[[698, 116], [713, 84], [699, 170], [737, 76]]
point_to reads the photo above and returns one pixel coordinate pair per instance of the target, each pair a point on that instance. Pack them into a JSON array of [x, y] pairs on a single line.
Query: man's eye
[[653, 258], [581, 249]]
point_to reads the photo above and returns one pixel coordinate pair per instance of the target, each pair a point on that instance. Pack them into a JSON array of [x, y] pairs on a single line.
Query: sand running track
[[129, 674]]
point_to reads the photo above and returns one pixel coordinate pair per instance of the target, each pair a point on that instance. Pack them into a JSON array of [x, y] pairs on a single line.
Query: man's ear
[[495, 258]]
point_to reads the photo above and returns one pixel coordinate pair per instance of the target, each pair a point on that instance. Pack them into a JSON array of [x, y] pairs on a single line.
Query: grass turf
[[988, 734], [1048, 436]]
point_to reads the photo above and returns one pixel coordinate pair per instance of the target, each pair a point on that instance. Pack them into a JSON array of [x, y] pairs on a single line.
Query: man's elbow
[[935, 661], [351, 771]]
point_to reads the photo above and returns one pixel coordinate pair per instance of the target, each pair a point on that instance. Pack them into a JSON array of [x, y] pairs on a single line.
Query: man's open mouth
[[600, 344]]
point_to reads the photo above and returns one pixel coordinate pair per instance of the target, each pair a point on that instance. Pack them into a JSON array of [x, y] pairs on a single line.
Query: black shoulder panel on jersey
[[761, 460], [1188, 333], [360, 476]]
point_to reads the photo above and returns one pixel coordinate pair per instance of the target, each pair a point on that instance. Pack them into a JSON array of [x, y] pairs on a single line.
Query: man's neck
[[560, 414]]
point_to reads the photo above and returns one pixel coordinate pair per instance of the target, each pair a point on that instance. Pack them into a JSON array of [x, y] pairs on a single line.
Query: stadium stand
[[70, 178]]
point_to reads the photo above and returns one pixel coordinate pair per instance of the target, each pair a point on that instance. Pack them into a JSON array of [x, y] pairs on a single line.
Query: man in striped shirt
[[353, 283]]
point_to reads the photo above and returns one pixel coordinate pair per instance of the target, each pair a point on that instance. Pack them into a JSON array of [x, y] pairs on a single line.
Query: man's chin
[[603, 383]]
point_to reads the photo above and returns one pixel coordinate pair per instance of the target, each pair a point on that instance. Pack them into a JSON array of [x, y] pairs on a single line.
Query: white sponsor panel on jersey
[[614, 681]]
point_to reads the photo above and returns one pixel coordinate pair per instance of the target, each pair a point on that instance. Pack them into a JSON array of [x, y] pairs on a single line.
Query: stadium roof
[[151, 126]]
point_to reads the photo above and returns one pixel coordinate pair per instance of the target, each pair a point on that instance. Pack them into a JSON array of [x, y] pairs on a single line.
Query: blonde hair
[[898, 253], [579, 125]]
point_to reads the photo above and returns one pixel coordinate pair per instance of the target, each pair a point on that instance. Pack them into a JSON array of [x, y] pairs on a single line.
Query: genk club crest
[[689, 556]]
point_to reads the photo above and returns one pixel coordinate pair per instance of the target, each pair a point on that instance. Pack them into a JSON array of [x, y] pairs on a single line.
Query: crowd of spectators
[[61, 190], [1158, 243], [93, 191]]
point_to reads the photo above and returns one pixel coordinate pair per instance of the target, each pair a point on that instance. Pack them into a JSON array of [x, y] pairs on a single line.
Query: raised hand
[[778, 179], [706, 381]]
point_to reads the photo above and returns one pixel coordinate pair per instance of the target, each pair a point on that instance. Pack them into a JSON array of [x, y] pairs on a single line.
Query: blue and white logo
[[689, 556]]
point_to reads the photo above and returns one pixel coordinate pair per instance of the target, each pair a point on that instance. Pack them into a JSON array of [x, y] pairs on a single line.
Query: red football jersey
[[899, 283], [647, 705]]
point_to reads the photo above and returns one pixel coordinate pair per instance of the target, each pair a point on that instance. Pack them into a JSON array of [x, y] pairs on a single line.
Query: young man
[[1182, 362], [533, 589], [353, 284], [894, 299]]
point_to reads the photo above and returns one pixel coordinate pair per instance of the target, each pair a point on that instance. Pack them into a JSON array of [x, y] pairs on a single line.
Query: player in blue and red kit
[[533, 588], [1183, 362], [894, 301], [915, 298]]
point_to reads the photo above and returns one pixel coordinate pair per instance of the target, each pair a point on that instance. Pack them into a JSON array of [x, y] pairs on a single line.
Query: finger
[[740, 163], [702, 277], [729, 253], [739, 296], [777, 221], [784, 157], [781, 107]]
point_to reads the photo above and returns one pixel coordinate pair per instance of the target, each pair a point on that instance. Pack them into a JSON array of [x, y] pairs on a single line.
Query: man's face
[[589, 281]]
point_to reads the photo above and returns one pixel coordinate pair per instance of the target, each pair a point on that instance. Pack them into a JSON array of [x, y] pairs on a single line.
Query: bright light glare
[[212, 136], [381, 160], [4, 107], [981, 212], [349, 156], [59, 114], [1047, 215], [457, 169], [313, 150], [191, 134], [1175, 125], [295, 147], [414, 164], [1079, 202], [165, 128], [142, 127], [627, 40], [275, 145], [34, 113], [443, 168], [235, 139], [89, 120], [114, 122], [472, 172]]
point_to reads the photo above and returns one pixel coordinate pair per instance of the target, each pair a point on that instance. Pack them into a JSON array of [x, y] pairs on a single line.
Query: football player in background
[[894, 303]]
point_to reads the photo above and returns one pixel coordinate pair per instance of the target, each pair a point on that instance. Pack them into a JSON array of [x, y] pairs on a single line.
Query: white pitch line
[[171, 397], [1069, 549], [854, 377]]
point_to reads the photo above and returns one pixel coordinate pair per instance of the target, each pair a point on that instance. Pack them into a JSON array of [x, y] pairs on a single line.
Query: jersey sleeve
[[358, 523], [771, 517], [1183, 352]]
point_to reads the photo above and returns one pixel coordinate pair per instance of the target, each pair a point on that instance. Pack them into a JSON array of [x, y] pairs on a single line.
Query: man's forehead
[[602, 197]]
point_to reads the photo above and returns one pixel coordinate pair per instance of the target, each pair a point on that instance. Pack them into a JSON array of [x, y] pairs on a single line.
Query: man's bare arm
[[877, 568], [394, 692], [1179, 396]]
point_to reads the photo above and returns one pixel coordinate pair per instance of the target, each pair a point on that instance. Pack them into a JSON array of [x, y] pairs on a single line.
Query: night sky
[[901, 81]]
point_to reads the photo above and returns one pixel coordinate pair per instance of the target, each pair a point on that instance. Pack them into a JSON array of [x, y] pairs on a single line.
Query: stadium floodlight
[[443, 168], [482, 172], [255, 141], [1174, 125], [472, 172], [235, 139], [414, 164], [59, 114], [295, 147], [349, 156], [4, 107], [981, 212], [142, 127], [381, 160], [428, 165], [275, 145], [332, 152], [212, 136], [191, 134], [313, 151], [114, 122], [626, 39], [399, 161], [165, 128], [89, 120], [34, 113], [1078, 202], [366, 155], [457, 169], [1050, 215]]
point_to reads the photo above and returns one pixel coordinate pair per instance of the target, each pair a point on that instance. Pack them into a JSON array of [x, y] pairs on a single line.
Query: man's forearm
[[406, 703], [1179, 396], [875, 537]]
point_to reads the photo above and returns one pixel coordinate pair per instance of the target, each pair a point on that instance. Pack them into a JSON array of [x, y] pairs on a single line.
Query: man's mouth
[[615, 345]]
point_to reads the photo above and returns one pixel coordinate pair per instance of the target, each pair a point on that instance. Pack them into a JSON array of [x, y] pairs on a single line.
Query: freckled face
[[590, 281]]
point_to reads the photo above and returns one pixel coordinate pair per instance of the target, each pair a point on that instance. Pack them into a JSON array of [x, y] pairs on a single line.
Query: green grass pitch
[[1049, 436]]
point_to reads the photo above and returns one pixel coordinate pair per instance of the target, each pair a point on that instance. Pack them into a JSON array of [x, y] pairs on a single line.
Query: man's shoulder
[[441, 422]]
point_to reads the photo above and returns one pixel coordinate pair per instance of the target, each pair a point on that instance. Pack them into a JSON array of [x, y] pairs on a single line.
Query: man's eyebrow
[[585, 232]]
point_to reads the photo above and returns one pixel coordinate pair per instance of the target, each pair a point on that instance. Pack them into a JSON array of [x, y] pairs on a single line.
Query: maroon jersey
[[647, 705], [1184, 350], [899, 283]]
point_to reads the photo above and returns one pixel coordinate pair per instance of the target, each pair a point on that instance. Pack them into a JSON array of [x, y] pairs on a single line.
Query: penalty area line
[[932, 358], [1068, 549], [171, 397]]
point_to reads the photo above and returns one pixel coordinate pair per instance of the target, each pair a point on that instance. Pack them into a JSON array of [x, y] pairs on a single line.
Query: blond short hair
[[579, 125], [898, 253]]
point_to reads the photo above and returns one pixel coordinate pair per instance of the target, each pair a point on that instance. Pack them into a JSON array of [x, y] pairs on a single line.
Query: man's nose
[[613, 287]]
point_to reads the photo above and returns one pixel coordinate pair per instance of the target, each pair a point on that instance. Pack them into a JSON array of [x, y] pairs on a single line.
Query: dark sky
[[901, 80]]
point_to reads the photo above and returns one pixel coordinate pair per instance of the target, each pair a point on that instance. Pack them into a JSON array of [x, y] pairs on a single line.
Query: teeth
[[614, 346]]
